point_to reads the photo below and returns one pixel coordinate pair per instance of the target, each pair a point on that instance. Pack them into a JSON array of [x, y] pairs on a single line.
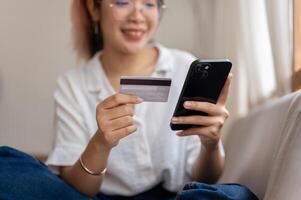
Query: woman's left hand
[[210, 126]]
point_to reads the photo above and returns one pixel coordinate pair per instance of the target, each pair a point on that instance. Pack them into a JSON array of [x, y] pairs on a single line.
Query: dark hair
[[87, 35]]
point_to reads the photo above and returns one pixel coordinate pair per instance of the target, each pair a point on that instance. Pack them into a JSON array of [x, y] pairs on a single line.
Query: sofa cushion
[[253, 142], [285, 180]]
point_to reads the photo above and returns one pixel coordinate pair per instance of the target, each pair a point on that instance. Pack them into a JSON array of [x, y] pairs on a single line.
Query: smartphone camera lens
[[201, 71], [204, 74]]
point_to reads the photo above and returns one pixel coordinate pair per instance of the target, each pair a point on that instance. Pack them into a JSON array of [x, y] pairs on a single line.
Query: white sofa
[[263, 150]]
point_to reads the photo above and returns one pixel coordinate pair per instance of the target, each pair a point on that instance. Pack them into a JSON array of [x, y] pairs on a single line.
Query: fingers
[[199, 120], [123, 132], [115, 118], [211, 132], [113, 138], [120, 111], [206, 126], [119, 99], [225, 91], [118, 123], [209, 108], [113, 130]]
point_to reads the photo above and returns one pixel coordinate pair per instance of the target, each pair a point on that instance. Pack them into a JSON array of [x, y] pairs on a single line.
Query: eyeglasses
[[151, 9]]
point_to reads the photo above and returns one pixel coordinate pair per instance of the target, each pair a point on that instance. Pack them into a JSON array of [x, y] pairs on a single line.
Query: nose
[[137, 14]]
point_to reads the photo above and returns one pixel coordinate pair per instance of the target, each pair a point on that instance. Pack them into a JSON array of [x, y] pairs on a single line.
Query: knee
[[6, 150], [9, 152]]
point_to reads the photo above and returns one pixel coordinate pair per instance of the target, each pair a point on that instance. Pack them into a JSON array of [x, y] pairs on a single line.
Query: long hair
[[81, 29], [85, 42]]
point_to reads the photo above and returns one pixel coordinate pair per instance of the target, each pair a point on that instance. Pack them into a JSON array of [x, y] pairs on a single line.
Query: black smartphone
[[204, 81]]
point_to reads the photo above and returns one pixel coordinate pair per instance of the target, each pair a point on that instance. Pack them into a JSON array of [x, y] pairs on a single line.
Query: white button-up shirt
[[152, 154]]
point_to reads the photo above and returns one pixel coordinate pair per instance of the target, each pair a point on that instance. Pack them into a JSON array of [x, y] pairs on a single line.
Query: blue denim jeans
[[23, 177], [202, 191]]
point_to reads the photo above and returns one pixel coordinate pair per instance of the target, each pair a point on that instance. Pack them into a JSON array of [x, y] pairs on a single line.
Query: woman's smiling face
[[127, 26]]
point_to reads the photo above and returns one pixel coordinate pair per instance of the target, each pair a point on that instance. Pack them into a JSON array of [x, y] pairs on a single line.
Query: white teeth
[[134, 33]]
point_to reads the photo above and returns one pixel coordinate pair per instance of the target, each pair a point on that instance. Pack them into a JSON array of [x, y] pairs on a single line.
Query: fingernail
[[179, 133], [187, 104], [174, 120], [139, 100]]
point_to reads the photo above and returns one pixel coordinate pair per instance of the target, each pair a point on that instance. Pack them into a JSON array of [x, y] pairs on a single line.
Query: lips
[[133, 34]]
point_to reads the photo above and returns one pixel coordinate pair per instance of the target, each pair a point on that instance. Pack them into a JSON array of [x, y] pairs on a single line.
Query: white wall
[[178, 27], [35, 47]]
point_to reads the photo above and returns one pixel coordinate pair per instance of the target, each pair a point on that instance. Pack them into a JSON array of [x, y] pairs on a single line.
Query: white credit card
[[148, 88]]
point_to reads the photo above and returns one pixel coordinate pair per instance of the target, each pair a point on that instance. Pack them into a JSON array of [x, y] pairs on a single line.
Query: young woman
[[117, 144], [114, 146]]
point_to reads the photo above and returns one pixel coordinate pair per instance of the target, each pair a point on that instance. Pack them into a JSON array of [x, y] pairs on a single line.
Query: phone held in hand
[[204, 81]]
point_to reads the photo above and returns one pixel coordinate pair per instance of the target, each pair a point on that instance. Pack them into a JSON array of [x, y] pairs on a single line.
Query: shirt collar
[[163, 64], [95, 76]]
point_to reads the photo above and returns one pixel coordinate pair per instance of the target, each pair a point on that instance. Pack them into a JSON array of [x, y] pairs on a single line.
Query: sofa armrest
[[253, 143], [285, 180]]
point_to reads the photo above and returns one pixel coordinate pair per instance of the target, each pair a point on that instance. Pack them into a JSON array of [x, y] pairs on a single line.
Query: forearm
[[95, 159], [209, 165]]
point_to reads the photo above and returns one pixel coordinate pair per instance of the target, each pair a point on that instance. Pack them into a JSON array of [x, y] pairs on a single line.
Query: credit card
[[148, 88]]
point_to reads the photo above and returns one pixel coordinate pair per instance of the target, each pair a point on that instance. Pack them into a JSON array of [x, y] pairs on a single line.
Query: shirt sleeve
[[71, 131]]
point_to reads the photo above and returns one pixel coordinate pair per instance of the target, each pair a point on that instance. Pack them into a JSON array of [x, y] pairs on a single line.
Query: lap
[[158, 192], [24, 177], [202, 191]]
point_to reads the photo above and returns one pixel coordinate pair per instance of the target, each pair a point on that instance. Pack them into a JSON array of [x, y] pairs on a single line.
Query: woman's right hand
[[115, 118], [115, 121]]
